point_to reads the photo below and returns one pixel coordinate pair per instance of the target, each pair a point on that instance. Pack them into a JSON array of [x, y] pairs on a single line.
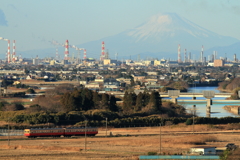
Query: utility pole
[[0, 88], [193, 125], [194, 111], [160, 139], [8, 133], [85, 136], [106, 127]]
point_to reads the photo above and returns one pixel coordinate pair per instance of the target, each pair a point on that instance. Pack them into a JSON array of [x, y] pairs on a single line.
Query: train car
[[44, 132], [80, 131]]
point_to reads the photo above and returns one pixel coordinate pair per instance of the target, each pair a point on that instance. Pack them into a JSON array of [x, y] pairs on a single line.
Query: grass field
[[126, 143]]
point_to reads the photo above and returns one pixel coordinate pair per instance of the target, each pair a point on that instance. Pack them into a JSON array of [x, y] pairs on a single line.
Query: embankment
[[233, 109]]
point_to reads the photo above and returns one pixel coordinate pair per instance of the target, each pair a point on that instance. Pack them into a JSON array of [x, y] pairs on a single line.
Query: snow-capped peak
[[167, 25]]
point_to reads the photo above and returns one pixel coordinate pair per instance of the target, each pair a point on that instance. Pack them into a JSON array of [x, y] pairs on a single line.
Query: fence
[[12, 132]]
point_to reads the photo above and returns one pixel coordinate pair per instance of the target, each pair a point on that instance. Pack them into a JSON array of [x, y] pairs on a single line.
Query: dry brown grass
[[235, 155], [42, 147], [140, 141]]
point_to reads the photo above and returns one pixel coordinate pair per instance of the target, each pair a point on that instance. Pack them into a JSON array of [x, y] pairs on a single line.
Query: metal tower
[[179, 53]]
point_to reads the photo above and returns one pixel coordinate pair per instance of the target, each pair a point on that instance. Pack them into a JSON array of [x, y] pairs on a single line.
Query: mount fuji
[[157, 38]]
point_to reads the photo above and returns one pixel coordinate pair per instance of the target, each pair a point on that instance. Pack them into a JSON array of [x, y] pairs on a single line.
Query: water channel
[[216, 108]]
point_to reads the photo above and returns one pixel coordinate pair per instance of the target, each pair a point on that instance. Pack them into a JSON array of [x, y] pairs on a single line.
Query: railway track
[[16, 138]]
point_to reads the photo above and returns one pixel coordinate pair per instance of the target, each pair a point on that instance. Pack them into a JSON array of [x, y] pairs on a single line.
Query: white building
[[203, 150]]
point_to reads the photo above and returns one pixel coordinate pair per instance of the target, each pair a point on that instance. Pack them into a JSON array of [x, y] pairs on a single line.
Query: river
[[216, 109]]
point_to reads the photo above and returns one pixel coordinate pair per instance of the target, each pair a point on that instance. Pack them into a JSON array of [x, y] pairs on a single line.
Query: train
[[58, 132]]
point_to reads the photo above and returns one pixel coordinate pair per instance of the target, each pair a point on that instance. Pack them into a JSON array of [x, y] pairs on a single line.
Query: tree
[[18, 105], [6, 83], [104, 101], [87, 96], [146, 98], [13, 107], [126, 108], [132, 99], [30, 91], [139, 102], [2, 105], [112, 104], [96, 100], [68, 102], [155, 100], [35, 108], [125, 98], [129, 102], [77, 95]]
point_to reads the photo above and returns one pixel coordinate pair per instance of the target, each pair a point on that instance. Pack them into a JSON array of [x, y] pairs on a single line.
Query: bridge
[[181, 94], [184, 94], [174, 94]]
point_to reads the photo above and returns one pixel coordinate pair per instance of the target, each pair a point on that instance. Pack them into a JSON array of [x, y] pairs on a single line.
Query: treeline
[[85, 99], [13, 106], [143, 102], [98, 119], [213, 120], [66, 105], [174, 85]]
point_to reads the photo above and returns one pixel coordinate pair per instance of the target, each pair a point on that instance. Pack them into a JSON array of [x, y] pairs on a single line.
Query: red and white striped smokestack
[[179, 53], [66, 54], [14, 52], [103, 51], [8, 54], [85, 54]]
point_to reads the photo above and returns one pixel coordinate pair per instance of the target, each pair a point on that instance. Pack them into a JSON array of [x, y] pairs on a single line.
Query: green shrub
[[152, 153], [189, 121]]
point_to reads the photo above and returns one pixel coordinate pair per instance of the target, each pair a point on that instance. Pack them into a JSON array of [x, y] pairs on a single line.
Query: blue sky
[[33, 23]]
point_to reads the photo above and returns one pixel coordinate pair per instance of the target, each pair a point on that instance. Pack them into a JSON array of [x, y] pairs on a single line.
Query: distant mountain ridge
[[159, 37]]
